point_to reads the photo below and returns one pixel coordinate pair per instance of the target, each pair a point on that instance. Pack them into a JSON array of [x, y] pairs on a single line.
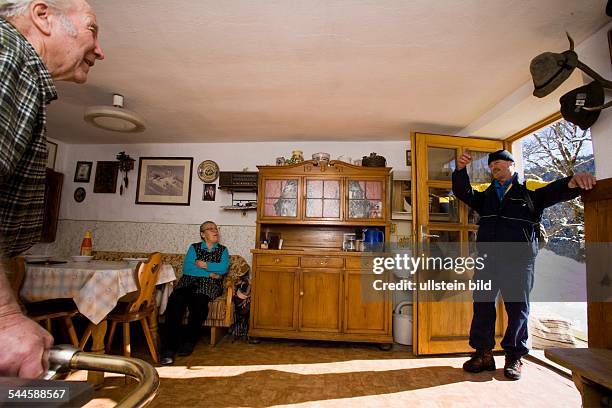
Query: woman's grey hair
[[13, 8], [205, 223]]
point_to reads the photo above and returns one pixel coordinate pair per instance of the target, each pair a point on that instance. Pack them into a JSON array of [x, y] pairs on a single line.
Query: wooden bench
[[591, 372]]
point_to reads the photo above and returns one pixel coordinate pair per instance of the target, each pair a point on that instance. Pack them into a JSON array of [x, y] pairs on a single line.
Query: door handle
[[424, 233]]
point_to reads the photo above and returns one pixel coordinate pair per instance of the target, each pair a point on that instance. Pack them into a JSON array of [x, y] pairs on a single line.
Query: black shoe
[[167, 358], [481, 360], [186, 349], [512, 368]]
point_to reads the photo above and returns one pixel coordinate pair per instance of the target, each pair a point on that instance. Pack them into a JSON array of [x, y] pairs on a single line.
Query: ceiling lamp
[[115, 117]]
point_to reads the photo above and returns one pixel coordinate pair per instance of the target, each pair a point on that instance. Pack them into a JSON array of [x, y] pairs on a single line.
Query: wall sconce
[[126, 163], [580, 106]]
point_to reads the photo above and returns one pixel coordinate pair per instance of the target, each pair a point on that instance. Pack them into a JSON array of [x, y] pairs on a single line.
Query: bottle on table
[[86, 245]]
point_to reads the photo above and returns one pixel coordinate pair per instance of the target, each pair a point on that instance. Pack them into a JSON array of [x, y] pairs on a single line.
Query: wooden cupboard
[[310, 288]]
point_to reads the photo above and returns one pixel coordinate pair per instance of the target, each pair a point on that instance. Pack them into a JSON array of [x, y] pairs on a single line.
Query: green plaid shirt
[[26, 88]]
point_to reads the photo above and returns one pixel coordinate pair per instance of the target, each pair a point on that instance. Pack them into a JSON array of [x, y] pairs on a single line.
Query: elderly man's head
[[501, 164], [63, 32], [209, 232]]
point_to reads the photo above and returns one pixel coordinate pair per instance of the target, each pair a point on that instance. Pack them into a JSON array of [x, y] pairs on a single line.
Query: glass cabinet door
[[365, 199], [281, 198], [322, 199]]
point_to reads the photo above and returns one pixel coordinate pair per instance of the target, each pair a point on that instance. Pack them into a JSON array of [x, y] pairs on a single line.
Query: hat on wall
[[549, 70], [500, 155], [573, 102]]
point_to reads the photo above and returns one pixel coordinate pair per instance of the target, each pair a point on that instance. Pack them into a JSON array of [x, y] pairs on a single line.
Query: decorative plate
[[79, 194], [208, 171]]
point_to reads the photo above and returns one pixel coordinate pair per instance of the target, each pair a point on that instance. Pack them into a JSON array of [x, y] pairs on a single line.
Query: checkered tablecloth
[[94, 286]]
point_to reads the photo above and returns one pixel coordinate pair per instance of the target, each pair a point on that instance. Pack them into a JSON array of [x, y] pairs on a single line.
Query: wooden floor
[[277, 372]]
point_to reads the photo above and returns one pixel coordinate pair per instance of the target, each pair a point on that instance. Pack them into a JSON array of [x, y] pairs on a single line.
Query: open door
[[443, 324]]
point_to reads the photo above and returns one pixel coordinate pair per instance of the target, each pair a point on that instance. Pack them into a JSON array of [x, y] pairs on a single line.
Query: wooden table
[[95, 287], [591, 371]]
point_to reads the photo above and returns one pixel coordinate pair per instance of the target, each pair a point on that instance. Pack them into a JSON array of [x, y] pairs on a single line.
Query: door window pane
[[443, 205], [478, 169], [440, 163]]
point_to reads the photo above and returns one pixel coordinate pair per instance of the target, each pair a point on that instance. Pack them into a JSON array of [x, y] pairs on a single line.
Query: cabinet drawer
[[277, 260], [322, 262], [357, 262]]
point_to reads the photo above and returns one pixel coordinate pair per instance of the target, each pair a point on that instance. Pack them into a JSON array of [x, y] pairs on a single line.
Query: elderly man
[[41, 41], [509, 216]]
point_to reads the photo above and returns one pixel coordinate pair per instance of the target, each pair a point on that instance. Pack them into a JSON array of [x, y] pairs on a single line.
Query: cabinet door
[[366, 199], [322, 199], [275, 298], [321, 300], [280, 198], [367, 310]]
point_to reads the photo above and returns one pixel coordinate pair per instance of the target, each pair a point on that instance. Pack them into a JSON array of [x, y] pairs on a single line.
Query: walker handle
[[63, 358]]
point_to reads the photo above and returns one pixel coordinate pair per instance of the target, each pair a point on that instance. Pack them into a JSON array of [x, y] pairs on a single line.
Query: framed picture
[[52, 154], [106, 177], [209, 192], [82, 173], [164, 180], [408, 158]]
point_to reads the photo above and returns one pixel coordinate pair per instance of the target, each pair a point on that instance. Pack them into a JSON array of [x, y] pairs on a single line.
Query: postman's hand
[[585, 181], [464, 160]]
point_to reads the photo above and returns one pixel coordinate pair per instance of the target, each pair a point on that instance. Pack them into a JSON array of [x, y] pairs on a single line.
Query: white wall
[[595, 53], [521, 109], [229, 157]]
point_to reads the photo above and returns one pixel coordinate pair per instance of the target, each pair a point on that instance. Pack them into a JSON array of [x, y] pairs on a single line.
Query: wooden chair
[[137, 306], [220, 310], [45, 310]]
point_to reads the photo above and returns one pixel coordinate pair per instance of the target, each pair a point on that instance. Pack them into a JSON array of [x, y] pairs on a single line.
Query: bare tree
[[559, 150]]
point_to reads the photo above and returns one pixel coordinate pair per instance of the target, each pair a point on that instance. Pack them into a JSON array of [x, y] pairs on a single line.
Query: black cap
[[589, 96], [500, 155]]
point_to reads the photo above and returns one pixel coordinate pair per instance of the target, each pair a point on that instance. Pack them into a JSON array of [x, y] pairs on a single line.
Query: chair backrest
[[238, 267], [146, 278]]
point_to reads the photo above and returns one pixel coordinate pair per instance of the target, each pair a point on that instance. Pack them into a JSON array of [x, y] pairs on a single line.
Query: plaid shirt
[[26, 88]]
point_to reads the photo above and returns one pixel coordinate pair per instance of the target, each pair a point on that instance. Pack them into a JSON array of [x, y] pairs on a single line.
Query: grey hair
[[13, 8], [206, 223]]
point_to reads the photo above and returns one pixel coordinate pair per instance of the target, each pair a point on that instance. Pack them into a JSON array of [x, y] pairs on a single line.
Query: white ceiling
[[246, 70]]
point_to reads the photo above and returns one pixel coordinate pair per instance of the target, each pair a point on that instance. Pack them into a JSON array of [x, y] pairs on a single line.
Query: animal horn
[[571, 41]]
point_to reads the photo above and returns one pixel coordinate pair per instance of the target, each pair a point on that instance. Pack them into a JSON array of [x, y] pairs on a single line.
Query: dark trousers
[[180, 300], [513, 278]]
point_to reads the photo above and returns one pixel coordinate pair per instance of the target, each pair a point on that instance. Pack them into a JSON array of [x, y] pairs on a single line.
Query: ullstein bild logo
[[411, 264]]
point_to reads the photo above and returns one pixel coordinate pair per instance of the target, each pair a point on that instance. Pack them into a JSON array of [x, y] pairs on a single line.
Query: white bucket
[[402, 323]]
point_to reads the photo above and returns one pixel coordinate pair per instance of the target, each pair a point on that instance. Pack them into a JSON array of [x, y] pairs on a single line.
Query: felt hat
[[549, 70], [573, 102]]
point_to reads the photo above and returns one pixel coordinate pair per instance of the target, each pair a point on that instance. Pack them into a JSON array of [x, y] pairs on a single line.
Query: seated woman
[[205, 264]]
